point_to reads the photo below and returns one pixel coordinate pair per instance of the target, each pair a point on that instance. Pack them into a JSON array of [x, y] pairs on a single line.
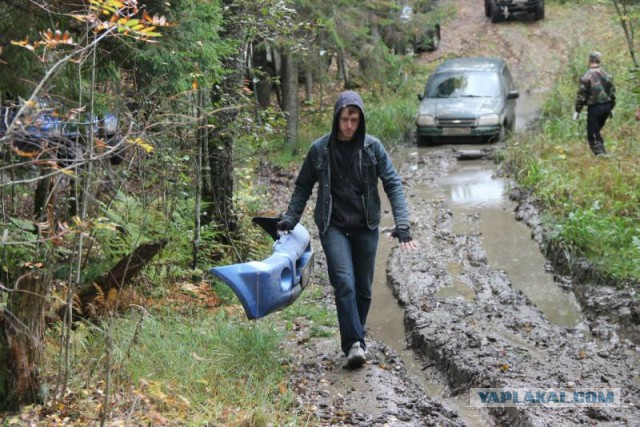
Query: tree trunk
[[262, 71], [201, 142], [43, 190], [343, 71], [220, 199], [627, 27], [225, 96], [290, 96], [21, 348], [308, 80], [115, 279]]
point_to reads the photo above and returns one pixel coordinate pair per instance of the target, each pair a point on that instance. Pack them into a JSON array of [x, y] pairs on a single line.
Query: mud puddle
[[480, 301], [479, 204], [473, 191], [387, 326]]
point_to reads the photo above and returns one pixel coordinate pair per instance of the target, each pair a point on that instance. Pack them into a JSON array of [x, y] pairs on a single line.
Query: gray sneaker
[[356, 357]]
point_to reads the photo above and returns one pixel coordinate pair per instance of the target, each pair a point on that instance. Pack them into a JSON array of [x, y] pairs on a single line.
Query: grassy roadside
[[185, 360], [591, 205]]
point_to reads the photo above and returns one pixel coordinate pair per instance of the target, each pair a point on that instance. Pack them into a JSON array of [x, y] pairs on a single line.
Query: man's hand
[[576, 115], [284, 226], [404, 237]]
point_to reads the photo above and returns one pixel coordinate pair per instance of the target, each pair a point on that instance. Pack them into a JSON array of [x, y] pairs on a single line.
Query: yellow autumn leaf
[[112, 296], [23, 43], [68, 172], [28, 154], [107, 226], [140, 142], [155, 391], [282, 387]]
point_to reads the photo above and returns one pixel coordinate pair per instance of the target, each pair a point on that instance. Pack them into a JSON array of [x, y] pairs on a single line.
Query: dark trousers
[[597, 116], [351, 261]]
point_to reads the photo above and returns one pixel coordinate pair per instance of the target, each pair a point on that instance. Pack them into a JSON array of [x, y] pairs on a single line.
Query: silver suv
[[467, 99], [498, 10]]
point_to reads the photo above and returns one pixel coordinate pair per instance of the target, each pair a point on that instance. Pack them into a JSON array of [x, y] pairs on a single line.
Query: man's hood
[[348, 98]]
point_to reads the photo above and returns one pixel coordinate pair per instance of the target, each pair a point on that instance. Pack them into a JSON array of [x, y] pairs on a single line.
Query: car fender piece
[[274, 283]]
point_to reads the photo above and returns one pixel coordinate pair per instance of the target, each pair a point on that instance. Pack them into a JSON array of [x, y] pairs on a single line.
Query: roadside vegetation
[[591, 205]]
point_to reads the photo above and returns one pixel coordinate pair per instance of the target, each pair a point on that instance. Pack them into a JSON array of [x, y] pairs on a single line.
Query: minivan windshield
[[483, 84]]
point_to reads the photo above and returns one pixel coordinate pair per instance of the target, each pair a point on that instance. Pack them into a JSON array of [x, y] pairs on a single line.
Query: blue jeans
[[351, 259]]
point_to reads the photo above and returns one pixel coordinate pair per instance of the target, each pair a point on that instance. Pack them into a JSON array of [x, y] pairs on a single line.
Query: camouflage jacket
[[596, 87]]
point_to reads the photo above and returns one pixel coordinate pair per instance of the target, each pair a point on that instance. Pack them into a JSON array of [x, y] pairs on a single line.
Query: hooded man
[[347, 163], [597, 91]]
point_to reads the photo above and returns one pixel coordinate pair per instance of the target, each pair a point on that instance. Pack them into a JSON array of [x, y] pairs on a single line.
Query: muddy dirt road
[[478, 306]]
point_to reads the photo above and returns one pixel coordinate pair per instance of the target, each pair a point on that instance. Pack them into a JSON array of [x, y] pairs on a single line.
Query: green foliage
[[601, 237], [16, 62], [19, 247], [214, 362], [593, 203], [391, 120], [310, 306], [192, 50]]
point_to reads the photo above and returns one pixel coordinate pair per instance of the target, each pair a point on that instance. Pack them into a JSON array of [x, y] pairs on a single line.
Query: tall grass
[[392, 120], [203, 369], [594, 203]]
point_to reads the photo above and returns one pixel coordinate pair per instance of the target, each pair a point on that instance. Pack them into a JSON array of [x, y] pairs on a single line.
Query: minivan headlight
[[425, 120], [489, 120]]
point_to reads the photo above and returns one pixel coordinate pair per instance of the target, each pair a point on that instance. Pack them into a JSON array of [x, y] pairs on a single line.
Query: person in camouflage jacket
[[597, 91]]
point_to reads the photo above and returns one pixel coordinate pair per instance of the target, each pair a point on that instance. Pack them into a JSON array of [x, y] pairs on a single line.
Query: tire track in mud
[[500, 339]]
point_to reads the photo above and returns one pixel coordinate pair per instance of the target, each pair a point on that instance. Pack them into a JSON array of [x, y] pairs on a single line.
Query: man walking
[[597, 91], [347, 163]]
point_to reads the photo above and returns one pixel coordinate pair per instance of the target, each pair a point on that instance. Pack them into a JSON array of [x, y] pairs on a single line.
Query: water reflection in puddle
[[479, 203], [473, 190], [473, 187]]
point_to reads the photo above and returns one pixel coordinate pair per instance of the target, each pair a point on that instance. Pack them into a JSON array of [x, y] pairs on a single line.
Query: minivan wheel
[[496, 14], [540, 11]]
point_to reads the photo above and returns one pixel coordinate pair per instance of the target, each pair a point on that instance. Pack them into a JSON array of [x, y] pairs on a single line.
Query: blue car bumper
[[272, 284]]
